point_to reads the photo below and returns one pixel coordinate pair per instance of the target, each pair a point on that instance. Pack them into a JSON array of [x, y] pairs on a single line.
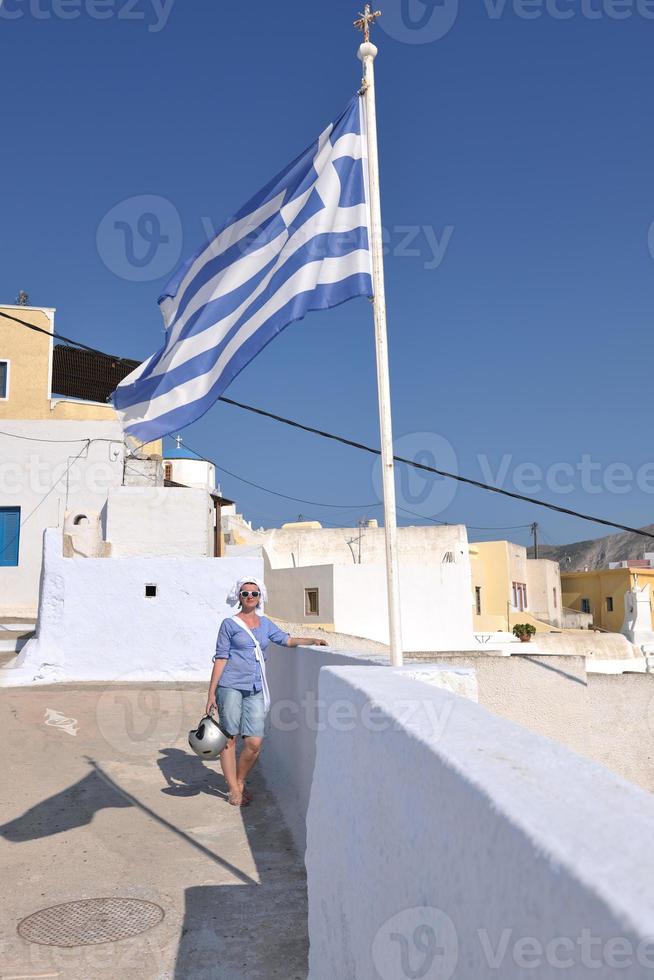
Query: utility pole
[[534, 531]]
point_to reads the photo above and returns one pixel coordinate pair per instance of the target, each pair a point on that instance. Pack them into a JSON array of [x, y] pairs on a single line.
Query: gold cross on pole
[[366, 19]]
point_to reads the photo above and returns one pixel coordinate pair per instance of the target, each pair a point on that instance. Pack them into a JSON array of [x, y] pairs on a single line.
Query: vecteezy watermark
[[565, 952], [417, 241], [422, 493], [414, 241], [563, 477], [426, 494], [140, 238], [420, 943], [154, 13], [426, 21], [418, 21], [152, 955], [343, 715], [138, 719], [569, 9], [39, 475]]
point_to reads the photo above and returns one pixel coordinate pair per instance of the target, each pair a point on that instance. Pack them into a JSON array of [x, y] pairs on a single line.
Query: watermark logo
[[586, 950], [422, 493], [140, 238], [570, 9], [418, 21], [420, 943], [138, 720], [154, 13], [423, 242]]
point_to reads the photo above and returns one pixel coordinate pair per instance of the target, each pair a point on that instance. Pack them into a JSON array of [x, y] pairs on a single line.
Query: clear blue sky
[[531, 140]]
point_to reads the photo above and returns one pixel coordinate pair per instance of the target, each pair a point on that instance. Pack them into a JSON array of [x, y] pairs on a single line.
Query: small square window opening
[[311, 605]]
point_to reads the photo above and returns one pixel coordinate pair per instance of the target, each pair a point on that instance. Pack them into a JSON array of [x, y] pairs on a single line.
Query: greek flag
[[300, 244]]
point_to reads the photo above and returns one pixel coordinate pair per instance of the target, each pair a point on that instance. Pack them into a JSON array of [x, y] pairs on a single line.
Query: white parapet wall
[[444, 842], [96, 622], [298, 714]]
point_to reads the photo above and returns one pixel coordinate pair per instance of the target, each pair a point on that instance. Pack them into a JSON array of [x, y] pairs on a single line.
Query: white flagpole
[[367, 52]]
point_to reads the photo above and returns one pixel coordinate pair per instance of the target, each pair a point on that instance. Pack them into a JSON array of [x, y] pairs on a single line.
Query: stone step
[[12, 641], [16, 623]]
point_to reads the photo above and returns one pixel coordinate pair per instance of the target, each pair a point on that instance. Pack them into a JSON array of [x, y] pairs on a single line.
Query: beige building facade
[[510, 588], [26, 376]]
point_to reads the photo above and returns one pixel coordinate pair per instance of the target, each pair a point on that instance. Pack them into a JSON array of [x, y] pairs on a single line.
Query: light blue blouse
[[234, 645]]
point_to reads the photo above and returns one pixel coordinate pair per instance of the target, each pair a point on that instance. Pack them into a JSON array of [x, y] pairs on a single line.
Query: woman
[[238, 682]]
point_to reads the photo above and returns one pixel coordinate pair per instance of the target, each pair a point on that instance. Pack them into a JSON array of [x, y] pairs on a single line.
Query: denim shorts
[[241, 712]]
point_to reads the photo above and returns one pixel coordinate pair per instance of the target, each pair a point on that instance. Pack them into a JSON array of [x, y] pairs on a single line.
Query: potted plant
[[524, 631]]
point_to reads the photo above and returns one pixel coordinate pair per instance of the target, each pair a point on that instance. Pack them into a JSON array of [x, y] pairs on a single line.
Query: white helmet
[[209, 739]]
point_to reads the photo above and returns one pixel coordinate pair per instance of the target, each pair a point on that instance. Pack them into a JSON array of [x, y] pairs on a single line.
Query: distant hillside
[[598, 553]]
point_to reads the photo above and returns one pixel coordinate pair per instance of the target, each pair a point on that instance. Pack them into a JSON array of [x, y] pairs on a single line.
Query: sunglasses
[[246, 595]]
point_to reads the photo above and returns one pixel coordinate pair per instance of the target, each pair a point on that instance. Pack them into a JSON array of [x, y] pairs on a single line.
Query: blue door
[[9, 535]]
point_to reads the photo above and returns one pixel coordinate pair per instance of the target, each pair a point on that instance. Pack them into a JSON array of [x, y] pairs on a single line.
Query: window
[[478, 600], [4, 380], [609, 603], [9, 535], [311, 602], [150, 591], [519, 595], [168, 471], [556, 601], [585, 605]]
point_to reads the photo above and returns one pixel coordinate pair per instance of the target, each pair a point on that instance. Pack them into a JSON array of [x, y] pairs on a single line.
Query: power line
[[431, 469], [59, 336], [15, 435], [369, 449], [276, 493]]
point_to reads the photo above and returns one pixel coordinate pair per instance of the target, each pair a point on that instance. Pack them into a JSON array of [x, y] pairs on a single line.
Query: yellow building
[[29, 375], [601, 592], [61, 444], [510, 588]]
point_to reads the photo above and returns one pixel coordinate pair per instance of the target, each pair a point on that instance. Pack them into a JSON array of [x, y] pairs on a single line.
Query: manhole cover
[[95, 920]]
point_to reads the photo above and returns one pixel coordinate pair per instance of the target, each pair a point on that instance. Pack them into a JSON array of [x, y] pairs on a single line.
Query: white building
[[64, 465], [336, 578]]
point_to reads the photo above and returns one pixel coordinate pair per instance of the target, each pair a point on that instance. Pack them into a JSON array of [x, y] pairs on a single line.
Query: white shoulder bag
[[258, 653]]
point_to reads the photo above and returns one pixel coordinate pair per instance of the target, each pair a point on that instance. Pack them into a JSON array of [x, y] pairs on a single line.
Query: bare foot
[[246, 794], [237, 799]]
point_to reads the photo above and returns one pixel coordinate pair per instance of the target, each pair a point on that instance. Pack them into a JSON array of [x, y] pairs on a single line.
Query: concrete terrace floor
[[102, 798]]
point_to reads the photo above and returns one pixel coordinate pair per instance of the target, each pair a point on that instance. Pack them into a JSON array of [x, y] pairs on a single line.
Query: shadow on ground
[[242, 932], [73, 807]]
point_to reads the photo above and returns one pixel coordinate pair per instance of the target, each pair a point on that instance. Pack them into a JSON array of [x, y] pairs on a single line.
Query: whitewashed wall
[[436, 607], [298, 713], [33, 477], [435, 601], [193, 473], [95, 622], [292, 547], [290, 747], [445, 842], [160, 521]]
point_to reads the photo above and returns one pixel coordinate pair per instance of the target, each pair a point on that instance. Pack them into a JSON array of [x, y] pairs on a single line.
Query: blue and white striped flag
[[300, 244]]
